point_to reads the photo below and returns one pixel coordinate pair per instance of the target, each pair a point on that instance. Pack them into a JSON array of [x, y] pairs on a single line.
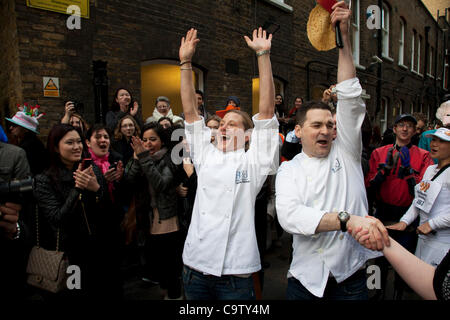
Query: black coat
[[160, 175], [88, 228]]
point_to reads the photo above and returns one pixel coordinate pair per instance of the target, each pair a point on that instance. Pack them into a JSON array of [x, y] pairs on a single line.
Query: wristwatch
[[343, 217]]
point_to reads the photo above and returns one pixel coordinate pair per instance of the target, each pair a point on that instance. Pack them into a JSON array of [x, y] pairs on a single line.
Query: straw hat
[[319, 29]]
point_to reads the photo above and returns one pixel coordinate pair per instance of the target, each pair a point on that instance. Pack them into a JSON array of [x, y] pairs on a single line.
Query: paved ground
[[275, 281]]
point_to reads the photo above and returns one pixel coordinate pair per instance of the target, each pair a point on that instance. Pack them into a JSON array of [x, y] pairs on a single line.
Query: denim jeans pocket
[[187, 275]]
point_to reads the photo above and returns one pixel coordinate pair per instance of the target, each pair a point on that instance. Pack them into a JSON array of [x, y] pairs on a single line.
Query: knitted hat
[[27, 117]]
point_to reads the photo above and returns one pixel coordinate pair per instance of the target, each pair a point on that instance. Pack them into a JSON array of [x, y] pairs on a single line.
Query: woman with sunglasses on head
[[73, 202]]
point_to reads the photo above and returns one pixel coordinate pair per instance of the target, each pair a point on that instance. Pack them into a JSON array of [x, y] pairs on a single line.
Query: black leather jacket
[[161, 176], [60, 207]]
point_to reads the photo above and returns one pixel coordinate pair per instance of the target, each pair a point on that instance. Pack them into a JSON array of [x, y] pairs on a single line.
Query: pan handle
[[339, 43]]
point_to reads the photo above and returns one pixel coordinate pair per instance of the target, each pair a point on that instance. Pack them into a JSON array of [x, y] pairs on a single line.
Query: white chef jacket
[[221, 238], [307, 188], [432, 248]]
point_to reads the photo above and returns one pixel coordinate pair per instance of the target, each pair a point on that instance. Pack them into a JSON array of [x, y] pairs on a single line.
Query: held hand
[[182, 191], [405, 157], [260, 41], [341, 13], [134, 109], [137, 145], [398, 226], [188, 45], [424, 228], [378, 235], [9, 216]]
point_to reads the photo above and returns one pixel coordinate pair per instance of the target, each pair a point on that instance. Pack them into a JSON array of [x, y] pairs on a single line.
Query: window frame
[[385, 19], [401, 47]]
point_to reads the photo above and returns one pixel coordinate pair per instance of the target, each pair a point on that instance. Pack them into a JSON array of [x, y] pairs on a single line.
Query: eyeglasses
[[407, 125], [163, 107]]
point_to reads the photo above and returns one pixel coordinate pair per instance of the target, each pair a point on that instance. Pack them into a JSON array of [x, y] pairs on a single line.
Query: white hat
[[25, 121], [441, 133]]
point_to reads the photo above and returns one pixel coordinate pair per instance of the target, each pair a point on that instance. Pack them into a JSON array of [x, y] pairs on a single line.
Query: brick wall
[[125, 34]]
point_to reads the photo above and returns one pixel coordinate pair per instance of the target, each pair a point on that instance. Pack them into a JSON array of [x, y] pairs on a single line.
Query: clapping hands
[[86, 179]]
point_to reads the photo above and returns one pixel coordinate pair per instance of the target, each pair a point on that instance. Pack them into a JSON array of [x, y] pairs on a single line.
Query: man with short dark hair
[[394, 171], [200, 105], [320, 192]]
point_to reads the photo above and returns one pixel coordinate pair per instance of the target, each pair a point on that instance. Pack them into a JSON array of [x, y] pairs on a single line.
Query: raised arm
[[188, 98], [261, 44], [346, 68]]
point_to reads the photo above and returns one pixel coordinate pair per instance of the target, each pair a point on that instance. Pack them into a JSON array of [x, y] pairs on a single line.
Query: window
[[413, 52], [385, 30], [280, 4], [162, 78], [419, 41], [279, 89], [401, 46], [384, 114], [355, 31], [445, 75], [412, 108]]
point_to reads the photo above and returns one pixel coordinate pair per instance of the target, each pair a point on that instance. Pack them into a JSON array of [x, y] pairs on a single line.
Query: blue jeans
[[198, 286], [353, 288]]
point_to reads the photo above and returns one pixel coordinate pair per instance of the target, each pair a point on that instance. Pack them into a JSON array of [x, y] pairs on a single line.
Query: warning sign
[[51, 87]]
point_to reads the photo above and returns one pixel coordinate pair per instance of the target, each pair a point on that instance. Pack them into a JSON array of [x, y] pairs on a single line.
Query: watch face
[[343, 216]]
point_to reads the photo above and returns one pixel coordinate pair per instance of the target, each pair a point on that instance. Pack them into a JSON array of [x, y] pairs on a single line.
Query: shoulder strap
[[440, 171], [37, 230]]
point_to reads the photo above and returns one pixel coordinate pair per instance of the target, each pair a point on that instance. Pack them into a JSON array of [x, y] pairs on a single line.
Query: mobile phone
[[86, 163], [113, 165]]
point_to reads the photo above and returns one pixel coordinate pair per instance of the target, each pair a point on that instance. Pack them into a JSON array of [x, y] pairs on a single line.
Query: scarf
[[101, 162]]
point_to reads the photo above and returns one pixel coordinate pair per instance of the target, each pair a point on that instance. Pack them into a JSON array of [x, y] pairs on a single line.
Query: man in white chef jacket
[[320, 193]]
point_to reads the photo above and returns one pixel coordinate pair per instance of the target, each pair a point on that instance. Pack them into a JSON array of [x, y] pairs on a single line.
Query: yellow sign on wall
[[61, 6]]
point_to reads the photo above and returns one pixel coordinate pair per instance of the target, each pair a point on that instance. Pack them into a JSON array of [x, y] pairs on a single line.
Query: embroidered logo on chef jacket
[[242, 177], [337, 166]]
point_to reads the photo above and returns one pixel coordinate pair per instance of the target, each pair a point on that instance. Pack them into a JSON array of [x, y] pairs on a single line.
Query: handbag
[[46, 269]]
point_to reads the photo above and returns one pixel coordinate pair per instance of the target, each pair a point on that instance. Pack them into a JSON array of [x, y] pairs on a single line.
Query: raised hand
[[134, 109], [341, 13], [137, 145], [188, 45], [69, 108], [260, 41]]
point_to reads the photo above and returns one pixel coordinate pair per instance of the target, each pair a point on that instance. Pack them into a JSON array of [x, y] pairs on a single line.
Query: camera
[[15, 188], [78, 106]]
